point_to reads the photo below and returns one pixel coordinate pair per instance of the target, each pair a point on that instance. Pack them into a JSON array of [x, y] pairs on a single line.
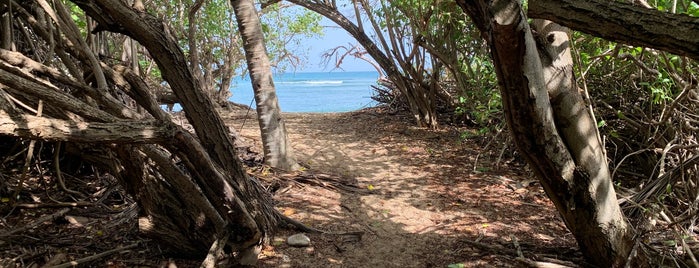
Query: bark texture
[[42, 128], [623, 22], [243, 209], [553, 129], [6, 33], [278, 151]]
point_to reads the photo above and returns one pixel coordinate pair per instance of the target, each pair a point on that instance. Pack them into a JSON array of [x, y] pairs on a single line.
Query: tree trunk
[[246, 211], [278, 151], [623, 22], [553, 129], [6, 26]]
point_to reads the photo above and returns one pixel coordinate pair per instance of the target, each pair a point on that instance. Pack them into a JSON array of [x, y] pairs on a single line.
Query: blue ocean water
[[315, 92]]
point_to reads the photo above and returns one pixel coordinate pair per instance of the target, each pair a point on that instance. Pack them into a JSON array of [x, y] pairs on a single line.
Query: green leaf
[[601, 123], [482, 169], [614, 134], [456, 265]]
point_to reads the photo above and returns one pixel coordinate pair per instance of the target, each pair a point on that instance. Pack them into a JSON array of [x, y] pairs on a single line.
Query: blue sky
[[334, 36]]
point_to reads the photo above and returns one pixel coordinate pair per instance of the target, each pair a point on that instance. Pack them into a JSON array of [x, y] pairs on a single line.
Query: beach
[[314, 92]]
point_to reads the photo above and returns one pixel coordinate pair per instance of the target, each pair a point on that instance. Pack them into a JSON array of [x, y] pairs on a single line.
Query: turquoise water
[[315, 92]]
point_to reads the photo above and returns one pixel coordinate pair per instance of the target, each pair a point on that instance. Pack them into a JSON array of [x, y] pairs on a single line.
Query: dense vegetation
[[84, 80]]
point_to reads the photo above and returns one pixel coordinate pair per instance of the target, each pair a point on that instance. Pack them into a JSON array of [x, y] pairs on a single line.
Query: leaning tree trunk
[[246, 215], [553, 129], [278, 151], [170, 203], [192, 189]]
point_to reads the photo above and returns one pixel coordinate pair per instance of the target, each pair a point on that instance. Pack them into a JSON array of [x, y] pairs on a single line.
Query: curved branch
[[43, 128], [622, 22]]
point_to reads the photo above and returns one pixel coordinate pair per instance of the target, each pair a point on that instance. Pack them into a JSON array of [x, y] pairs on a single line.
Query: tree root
[[95, 257], [308, 229], [39, 221]]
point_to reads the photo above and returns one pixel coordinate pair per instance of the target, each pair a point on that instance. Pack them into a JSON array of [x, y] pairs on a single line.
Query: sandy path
[[426, 198]]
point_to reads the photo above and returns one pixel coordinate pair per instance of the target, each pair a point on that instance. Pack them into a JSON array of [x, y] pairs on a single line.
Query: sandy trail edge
[[427, 198]]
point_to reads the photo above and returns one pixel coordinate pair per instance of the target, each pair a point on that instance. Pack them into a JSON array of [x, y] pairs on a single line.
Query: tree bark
[[248, 211], [623, 22], [553, 129], [278, 151], [190, 195], [6, 26], [125, 132]]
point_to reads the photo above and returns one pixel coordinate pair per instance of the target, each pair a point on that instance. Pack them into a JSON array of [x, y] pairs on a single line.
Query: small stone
[[298, 240]]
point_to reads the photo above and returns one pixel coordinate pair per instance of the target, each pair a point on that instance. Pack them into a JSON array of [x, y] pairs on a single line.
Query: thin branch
[[28, 159], [41, 220], [95, 257], [54, 205], [215, 251], [59, 175]]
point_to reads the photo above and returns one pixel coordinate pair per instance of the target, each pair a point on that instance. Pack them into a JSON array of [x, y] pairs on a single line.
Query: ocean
[[315, 92]]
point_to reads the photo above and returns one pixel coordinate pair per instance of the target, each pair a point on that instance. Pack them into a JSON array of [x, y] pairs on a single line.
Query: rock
[[298, 240]]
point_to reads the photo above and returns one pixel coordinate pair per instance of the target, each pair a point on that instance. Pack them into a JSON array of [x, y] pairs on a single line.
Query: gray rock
[[298, 240]]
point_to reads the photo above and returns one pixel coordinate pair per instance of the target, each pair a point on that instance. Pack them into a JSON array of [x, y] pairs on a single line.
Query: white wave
[[325, 82], [313, 82]]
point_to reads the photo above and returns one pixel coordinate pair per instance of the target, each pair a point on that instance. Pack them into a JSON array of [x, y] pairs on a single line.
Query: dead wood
[[54, 205], [41, 220], [95, 257], [326, 180], [190, 186], [50, 129]]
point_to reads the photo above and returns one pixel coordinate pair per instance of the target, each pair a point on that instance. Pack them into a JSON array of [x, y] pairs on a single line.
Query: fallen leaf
[[77, 221], [289, 212], [545, 237]]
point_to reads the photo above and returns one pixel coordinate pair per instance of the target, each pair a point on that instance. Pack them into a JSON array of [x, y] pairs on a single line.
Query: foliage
[[454, 52], [681, 7], [285, 28], [218, 43], [646, 103], [78, 16]]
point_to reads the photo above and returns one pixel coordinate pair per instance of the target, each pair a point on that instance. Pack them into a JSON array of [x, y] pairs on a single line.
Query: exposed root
[[308, 229]]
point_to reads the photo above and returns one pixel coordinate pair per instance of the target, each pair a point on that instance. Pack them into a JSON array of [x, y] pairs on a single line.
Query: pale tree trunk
[[278, 151], [553, 128], [226, 71], [6, 28], [194, 63], [129, 52]]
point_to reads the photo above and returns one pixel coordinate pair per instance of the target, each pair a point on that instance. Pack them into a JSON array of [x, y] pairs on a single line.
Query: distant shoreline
[[315, 92]]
